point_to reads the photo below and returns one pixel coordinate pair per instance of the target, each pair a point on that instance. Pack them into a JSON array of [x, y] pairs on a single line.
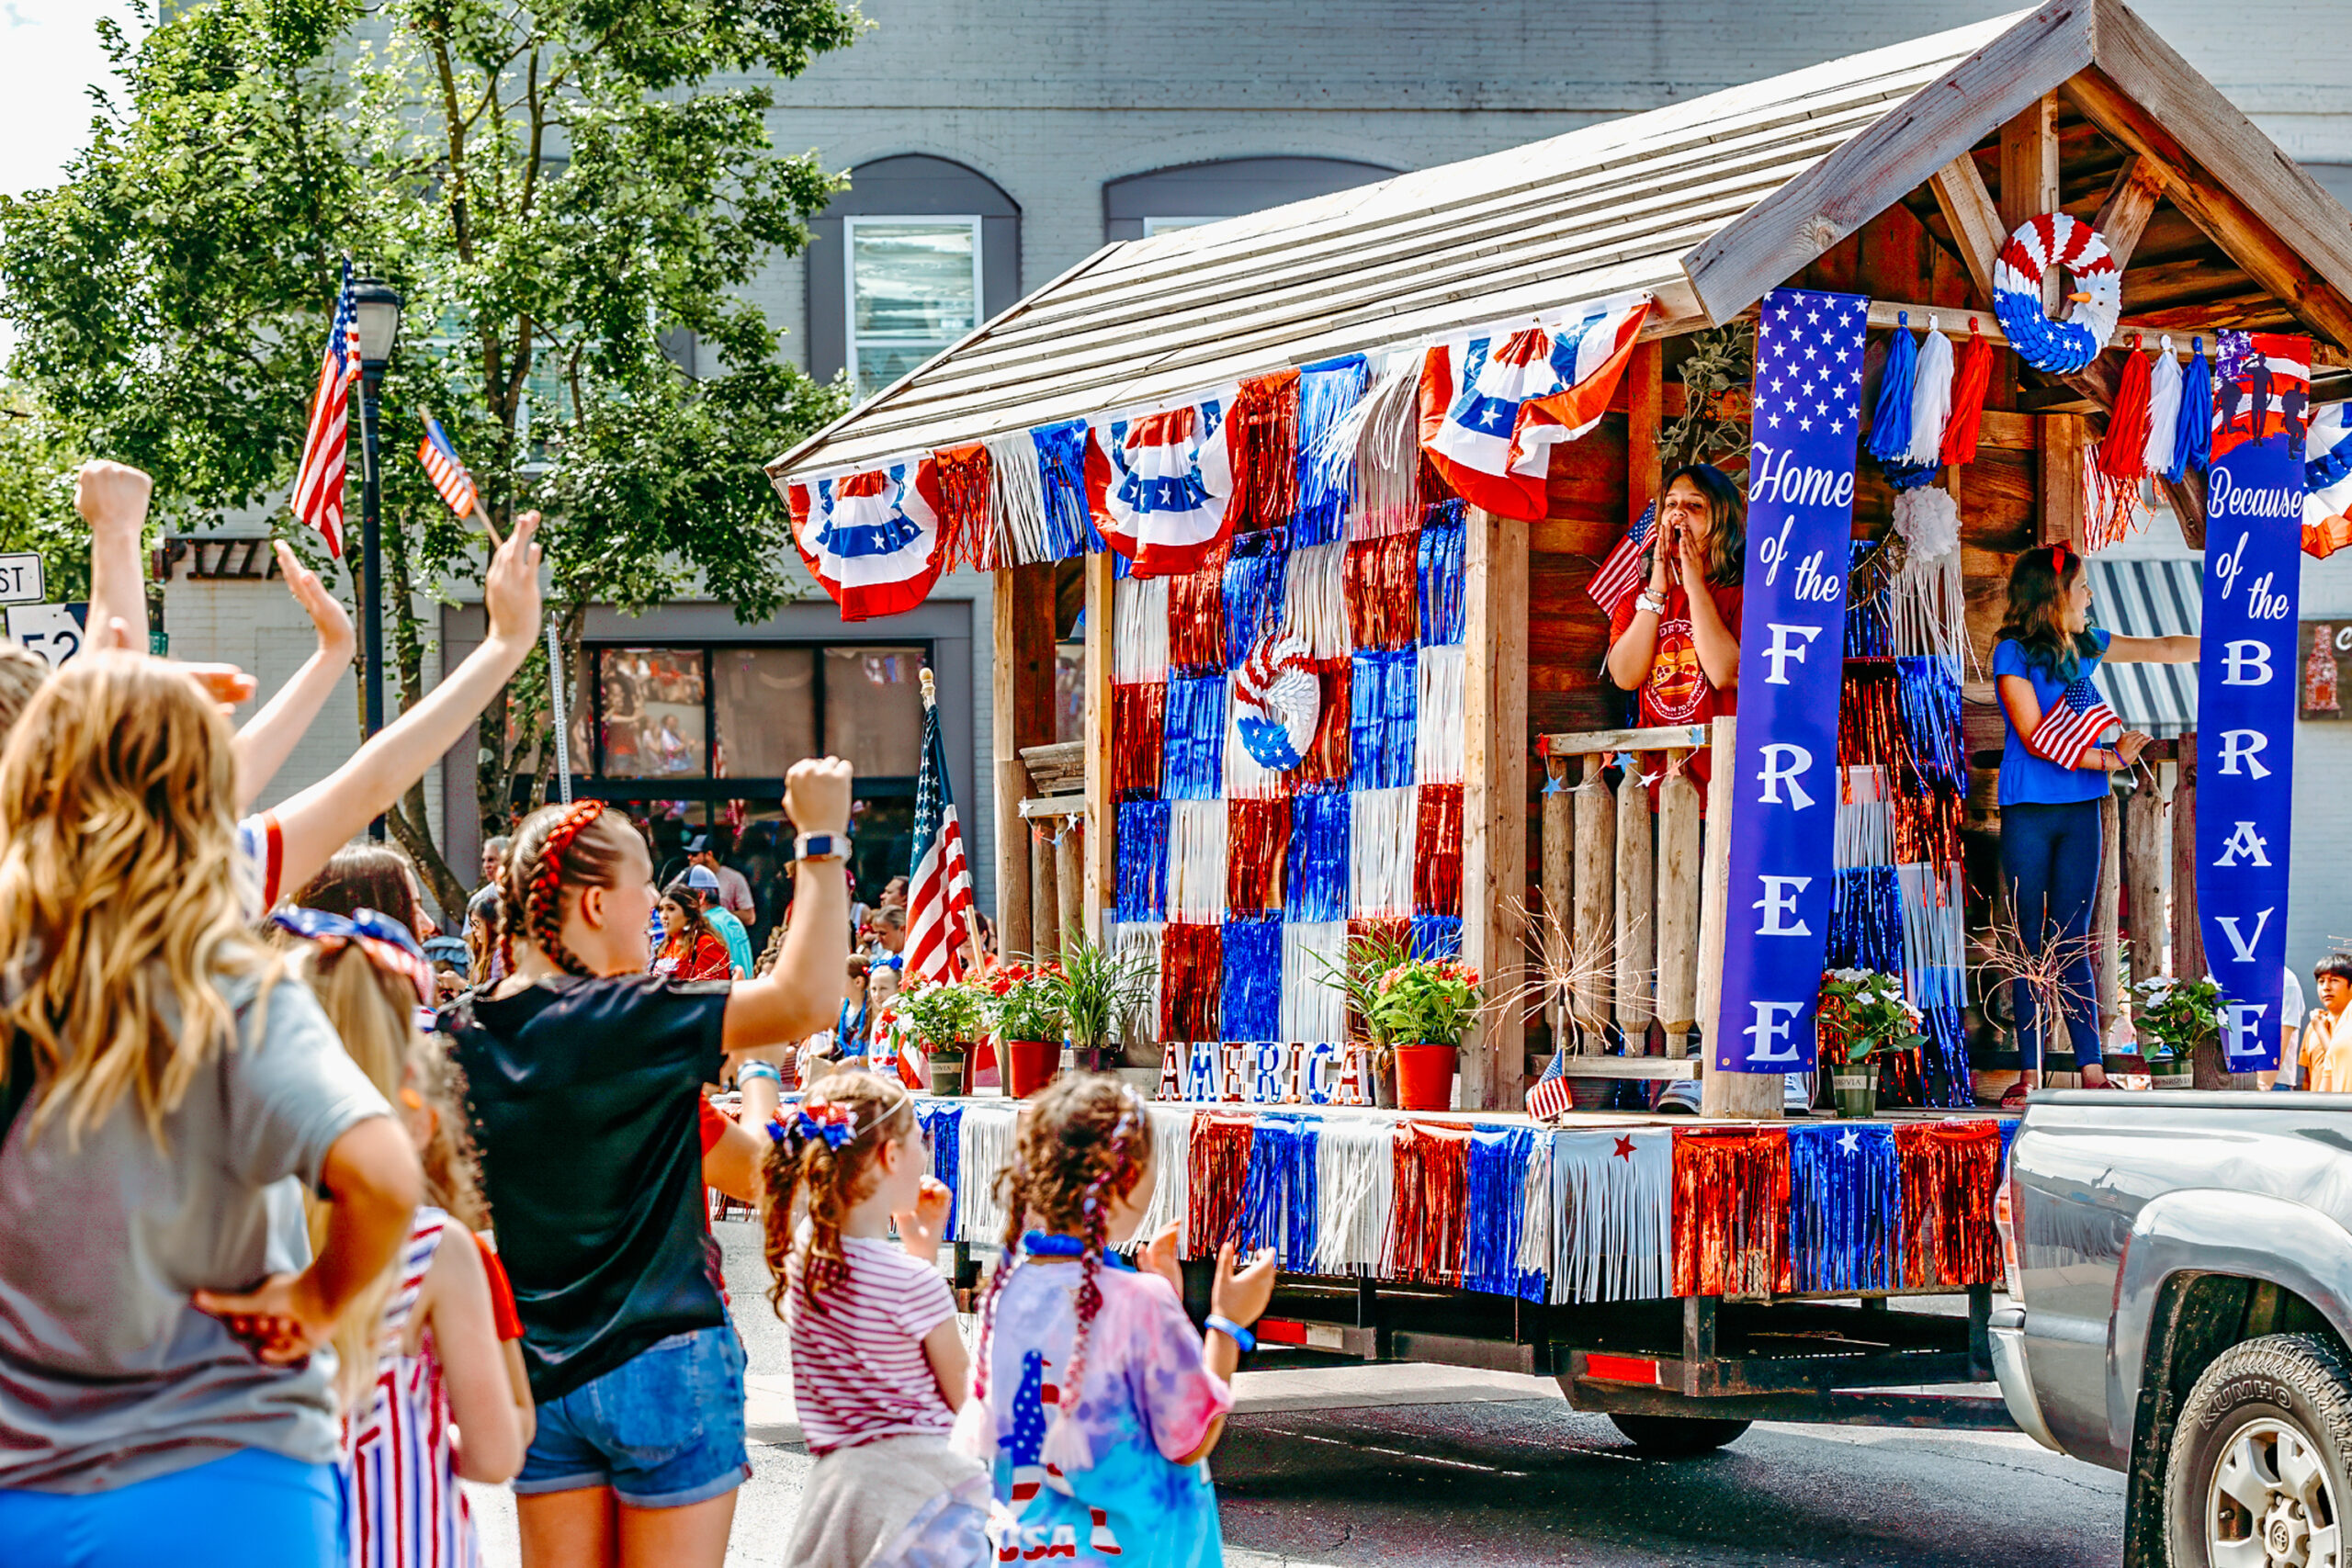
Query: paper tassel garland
[[1931, 398], [1969, 388], [2164, 411], [2193, 441]]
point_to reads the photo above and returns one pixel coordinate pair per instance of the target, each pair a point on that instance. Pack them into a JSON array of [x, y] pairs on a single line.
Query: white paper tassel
[[1612, 1219], [1438, 726], [1196, 841], [1380, 851], [1138, 941], [1535, 1209], [1016, 499], [986, 1149], [1172, 1159], [1315, 599], [2164, 407], [1311, 1009], [1387, 426], [1139, 630], [1865, 833], [1932, 398], [1355, 1180]]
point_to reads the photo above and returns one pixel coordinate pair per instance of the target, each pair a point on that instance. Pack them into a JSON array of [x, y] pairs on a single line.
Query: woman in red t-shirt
[[690, 949], [1677, 649]]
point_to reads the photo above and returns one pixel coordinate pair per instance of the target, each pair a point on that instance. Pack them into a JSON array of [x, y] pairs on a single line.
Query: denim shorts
[[250, 1508], [663, 1429]]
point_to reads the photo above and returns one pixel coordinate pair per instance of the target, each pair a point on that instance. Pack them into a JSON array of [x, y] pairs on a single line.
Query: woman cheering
[[2052, 784], [1677, 642]]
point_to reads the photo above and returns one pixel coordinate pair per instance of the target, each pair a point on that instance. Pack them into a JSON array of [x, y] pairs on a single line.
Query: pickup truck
[[2180, 1304]]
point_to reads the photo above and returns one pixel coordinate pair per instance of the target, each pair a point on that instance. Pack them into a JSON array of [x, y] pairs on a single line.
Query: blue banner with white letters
[[1806, 414], [2245, 682]]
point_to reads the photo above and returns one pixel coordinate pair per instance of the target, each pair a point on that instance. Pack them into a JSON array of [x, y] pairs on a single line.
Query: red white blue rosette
[[1281, 702], [2056, 240]]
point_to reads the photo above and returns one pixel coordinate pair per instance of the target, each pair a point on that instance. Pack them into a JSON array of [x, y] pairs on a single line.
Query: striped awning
[[2150, 598]]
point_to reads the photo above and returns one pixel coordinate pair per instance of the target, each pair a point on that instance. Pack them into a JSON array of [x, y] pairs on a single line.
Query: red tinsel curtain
[[1947, 1171], [1731, 1210]]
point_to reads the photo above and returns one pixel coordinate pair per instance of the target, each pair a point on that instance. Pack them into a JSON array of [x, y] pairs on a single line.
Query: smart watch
[[822, 846]]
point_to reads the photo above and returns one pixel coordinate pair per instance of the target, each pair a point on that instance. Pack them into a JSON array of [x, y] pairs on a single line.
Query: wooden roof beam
[[2131, 202], [2030, 184], [1975, 221]]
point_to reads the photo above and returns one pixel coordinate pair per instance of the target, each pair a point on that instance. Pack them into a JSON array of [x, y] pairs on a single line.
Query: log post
[[1635, 926], [2107, 952], [1559, 876], [1494, 802], [1750, 1097], [1069, 883], [2144, 827], [2030, 176], [2187, 937], [1679, 873], [1595, 887], [1045, 897], [1099, 883], [1023, 679]]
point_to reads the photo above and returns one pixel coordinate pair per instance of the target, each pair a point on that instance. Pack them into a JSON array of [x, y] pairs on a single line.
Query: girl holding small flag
[[1676, 643], [2055, 769]]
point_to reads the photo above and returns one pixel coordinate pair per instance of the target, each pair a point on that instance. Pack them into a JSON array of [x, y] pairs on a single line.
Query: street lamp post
[[378, 305]]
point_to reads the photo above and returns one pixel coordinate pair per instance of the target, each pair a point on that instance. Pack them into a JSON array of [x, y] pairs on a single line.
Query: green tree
[[36, 465], [572, 196]]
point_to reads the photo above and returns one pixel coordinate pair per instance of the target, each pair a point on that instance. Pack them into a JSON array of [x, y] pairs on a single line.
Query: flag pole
[[971, 917]]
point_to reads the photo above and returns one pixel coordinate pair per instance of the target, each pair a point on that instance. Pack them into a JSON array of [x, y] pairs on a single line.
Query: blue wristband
[[1243, 1340], [758, 1070]]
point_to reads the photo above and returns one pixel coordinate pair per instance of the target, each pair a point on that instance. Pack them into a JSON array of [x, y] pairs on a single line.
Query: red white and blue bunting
[[871, 536]]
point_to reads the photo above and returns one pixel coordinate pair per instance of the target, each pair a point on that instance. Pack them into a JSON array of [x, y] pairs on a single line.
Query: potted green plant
[[2175, 1021], [1356, 976], [1424, 1006], [1025, 1013], [1101, 987], [943, 1016], [1863, 1015]]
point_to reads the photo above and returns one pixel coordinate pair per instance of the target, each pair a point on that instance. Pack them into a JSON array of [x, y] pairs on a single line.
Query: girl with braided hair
[[584, 1082], [1094, 1401], [879, 1369]]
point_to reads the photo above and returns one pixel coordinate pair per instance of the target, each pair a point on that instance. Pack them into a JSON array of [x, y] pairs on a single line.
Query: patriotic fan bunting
[[1494, 405], [1158, 485], [872, 537]]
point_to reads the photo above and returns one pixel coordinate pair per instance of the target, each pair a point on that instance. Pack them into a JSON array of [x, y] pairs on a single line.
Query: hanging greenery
[[1721, 361]]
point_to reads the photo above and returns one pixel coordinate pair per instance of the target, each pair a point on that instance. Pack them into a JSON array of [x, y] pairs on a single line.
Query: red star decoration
[[1625, 1148]]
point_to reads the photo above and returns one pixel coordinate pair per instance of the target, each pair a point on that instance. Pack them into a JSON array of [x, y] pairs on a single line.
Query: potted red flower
[[1024, 1010], [1425, 1005]]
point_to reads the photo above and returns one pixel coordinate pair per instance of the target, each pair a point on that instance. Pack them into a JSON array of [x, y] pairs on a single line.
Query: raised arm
[[320, 819], [2151, 651], [269, 736], [112, 498], [802, 993]]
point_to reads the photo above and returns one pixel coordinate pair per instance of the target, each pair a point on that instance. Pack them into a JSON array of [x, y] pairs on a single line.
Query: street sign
[[53, 631], [20, 581]]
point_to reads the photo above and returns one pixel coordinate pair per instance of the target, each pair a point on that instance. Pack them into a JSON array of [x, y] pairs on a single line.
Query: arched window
[[915, 254], [1178, 197]]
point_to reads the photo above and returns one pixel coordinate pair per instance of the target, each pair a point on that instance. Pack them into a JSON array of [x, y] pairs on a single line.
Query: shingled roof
[[1707, 204]]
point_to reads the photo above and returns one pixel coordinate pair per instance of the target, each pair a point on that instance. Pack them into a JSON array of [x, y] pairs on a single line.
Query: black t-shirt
[[583, 1095]]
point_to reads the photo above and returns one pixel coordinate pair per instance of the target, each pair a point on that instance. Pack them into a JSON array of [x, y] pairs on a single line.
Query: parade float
[[1338, 499]]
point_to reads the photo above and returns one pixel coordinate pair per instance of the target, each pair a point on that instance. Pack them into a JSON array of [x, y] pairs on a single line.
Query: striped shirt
[[402, 1504], [858, 1369]]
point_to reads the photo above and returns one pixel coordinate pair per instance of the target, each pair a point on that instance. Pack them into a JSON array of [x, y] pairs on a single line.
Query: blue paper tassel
[[944, 1123], [1891, 418], [1492, 1214], [1278, 1202], [1845, 1225], [1927, 691], [1382, 693], [1253, 592], [2192, 442], [1252, 991], [1441, 573], [1437, 936], [1143, 861], [1192, 765], [1318, 859], [1326, 390], [1061, 473]]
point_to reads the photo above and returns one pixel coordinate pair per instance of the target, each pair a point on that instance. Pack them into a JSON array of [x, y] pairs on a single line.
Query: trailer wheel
[[1678, 1436], [2261, 1466]]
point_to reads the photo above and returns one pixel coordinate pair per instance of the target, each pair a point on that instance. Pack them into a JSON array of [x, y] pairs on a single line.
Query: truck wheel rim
[[2270, 1505]]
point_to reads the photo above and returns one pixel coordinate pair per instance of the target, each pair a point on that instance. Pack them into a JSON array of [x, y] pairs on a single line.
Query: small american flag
[[939, 891], [448, 474], [318, 484], [1622, 572], [1549, 1095], [2073, 724]]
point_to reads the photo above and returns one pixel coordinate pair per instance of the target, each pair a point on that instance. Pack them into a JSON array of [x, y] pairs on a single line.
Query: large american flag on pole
[[2073, 724], [318, 483], [939, 889]]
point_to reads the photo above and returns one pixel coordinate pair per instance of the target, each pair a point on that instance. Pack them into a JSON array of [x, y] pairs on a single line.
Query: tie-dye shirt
[[1148, 1400]]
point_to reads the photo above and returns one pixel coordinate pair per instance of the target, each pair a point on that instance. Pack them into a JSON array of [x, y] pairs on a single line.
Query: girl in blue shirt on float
[[2050, 819]]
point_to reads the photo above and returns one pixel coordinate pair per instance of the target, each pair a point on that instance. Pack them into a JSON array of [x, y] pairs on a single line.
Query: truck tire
[[1678, 1436], [2261, 1464]]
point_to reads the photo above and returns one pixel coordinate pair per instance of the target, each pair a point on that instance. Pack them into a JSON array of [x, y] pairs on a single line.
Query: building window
[[1186, 195], [1162, 225], [914, 287]]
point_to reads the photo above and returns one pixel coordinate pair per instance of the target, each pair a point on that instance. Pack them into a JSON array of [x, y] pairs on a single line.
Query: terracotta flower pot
[[1425, 1076], [1030, 1066]]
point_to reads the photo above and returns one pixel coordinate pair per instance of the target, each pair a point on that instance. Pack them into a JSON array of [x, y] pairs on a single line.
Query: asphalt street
[[1411, 1466]]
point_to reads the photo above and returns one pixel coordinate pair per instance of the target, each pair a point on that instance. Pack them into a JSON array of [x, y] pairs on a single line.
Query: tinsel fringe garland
[[1865, 831], [1890, 438], [1196, 620], [1278, 1204], [1381, 851], [1868, 633], [1256, 861], [1171, 1147], [1612, 1218], [1382, 695], [1437, 936], [1731, 1207], [1327, 392], [1137, 942], [1196, 849], [1312, 1009], [1197, 721], [966, 527], [1378, 580], [1253, 595], [1534, 1260], [1327, 762], [1865, 920], [1949, 1170], [1318, 864], [1250, 1005], [1355, 1184], [1439, 567], [1143, 861], [1315, 600], [1191, 974], [942, 1125], [1387, 452], [988, 1149], [1494, 1185], [1927, 690], [1217, 1181], [1016, 501], [1061, 473], [1428, 1224], [1138, 728], [1440, 724], [1843, 1220], [1265, 425], [1437, 849], [1139, 630]]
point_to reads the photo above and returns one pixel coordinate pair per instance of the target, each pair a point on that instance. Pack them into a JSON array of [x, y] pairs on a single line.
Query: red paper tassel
[[1947, 1171], [1138, 733], [2123, 454], [1328, 759], [1216, 1178], [1196, 620], [1265, 466], [1382, 583], [1191, 980], [965, 538], [1968, 388], [1731, 1210], [1437, 850], [1257, 854]]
